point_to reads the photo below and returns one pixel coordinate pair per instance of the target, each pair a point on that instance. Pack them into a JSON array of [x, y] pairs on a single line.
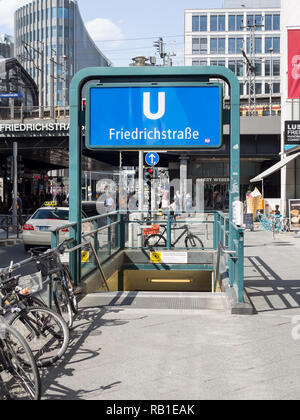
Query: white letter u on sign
[[161, 106]]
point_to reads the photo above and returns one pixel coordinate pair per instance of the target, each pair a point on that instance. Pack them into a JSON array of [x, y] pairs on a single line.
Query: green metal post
[[108, 221], [240, 266], [232, 238], [96, 242], [121, 231], [216, 231]]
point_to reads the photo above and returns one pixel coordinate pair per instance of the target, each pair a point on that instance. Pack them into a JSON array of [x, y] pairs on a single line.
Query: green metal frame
[[133, 76]]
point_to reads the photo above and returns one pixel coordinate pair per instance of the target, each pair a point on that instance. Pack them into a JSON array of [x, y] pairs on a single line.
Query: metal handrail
[[231, 253]]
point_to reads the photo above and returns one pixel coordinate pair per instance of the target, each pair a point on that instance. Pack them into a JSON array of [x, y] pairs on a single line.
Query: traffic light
[[148, 177], [159, 46], [20, 167], [9, 167], [83, 104]]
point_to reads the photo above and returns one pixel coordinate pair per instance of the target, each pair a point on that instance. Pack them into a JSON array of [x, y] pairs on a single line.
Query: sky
[[124, 29]]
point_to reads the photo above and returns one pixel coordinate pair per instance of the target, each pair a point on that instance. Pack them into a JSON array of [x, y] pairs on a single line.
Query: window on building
[[217, 63], [217, 45], [276, 22], [199, 63], [231, 45], [199, 45], [214, 23], [272, 22], [258, 22], [54, 14], [258, 68], [275, 69], [258, 88], [258, 45], [235, 45], [195, 23], [60, 12], [250, 20], [199, 23], [195, 46], [272, 43], [235, 22], [241, 89], [221, 23], [276, 87], [217, 23], [237, 67]]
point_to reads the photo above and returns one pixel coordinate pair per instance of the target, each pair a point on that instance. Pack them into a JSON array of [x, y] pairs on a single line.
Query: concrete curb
[[10, 242], [235, 307]]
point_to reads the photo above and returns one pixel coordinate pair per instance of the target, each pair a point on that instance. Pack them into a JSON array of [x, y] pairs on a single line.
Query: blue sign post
[[160, 117], [152, 158]]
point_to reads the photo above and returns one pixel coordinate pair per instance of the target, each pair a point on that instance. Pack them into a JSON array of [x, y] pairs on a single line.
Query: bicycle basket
[[48, 263], [152, 230], [31, 284]]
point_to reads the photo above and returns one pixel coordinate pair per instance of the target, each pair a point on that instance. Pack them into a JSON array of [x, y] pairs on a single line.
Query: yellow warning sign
[[155, 257], [85, 256]]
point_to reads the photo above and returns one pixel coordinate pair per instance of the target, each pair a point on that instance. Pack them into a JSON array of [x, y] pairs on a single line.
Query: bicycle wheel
[[72, 295], [153, 241], [45, 331], [62, 303], [192, 241], [18, 380]]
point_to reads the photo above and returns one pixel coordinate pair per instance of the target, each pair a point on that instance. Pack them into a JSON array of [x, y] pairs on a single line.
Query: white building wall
[[189, 34]]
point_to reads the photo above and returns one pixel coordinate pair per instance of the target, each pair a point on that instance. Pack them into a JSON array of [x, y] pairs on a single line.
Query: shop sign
[[292, 132], [294, 63], [294, 212], [215, 180]]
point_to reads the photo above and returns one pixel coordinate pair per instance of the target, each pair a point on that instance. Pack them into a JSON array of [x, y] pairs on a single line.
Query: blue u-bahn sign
[[154, 117]]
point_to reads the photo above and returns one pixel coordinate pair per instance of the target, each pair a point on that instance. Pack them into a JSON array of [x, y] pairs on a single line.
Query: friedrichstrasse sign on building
[[35, 127]]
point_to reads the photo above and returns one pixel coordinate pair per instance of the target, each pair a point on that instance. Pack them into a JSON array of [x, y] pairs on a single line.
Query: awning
[[275, 168]]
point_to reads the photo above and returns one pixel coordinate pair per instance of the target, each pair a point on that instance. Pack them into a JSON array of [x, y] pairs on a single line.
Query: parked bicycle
[[159, 239], [49, 264], [45, 331], [274, 223], [18, 380]]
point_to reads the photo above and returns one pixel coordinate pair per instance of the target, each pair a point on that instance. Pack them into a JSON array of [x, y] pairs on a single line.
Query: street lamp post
[[271, 79]]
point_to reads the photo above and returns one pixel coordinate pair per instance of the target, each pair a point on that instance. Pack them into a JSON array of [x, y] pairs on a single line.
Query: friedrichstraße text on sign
[[34, 127]]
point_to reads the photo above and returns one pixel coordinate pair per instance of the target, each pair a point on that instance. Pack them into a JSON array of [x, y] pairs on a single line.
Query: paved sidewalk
[[137, 354], [272, 271]]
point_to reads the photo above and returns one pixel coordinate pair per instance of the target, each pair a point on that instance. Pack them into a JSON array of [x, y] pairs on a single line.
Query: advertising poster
[[294, 206], [294, 63]]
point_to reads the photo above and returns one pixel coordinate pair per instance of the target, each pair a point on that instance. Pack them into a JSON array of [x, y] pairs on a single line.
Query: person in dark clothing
[[20, 210]]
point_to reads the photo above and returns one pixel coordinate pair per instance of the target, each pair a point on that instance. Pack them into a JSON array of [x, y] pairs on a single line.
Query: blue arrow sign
[[152, 158]]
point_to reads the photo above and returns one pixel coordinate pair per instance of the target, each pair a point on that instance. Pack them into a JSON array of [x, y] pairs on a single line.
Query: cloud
[[8, 8], [105, 30]]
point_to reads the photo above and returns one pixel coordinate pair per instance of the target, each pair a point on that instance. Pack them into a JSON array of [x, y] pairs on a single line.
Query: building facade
[[234, 36], [52, 44], [15, 80], [6, 46]]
